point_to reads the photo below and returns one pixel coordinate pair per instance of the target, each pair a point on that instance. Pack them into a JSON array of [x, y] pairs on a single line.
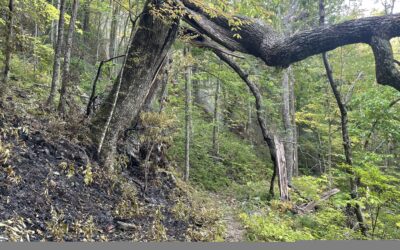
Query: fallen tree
[[310, 206]]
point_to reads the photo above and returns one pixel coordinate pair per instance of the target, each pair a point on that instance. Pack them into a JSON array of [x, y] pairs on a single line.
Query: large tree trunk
[[354, 181], [146, 53], [273, 142], [57, 54], [65, 81], [8, 47]]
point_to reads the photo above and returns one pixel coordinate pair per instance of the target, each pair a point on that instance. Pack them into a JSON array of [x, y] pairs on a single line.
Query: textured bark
[[65, 81], [8, 47], [57, 54], [148, 48], [272, 140], [262, 41]]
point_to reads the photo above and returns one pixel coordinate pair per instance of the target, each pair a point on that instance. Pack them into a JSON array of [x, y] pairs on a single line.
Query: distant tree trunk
[[160, 81], [86, 17], [67, 61], [98, 42], [57, 55], [216, 119], [8, 47], [54, 28], [274, 144], [289, 124], [164, 89], [113, 34], [249, 115], [354, 181], [294, 126], [146, 53], [188, 117]]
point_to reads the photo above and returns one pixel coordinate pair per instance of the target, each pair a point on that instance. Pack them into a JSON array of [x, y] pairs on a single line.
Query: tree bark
[[57, 54], [8, 47], [65, 81], [147, 50]]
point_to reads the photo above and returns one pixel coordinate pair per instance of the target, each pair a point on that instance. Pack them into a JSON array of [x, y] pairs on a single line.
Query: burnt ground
[[52, 190]]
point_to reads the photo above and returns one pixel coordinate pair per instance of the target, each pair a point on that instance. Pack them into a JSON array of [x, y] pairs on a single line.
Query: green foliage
[[272, 228]]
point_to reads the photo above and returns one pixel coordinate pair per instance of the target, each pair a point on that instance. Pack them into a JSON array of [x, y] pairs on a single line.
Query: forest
[[199, 120]]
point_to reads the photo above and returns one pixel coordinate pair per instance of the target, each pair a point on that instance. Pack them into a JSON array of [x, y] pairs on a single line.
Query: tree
[[253, 37], [113, 32], [145, 56], [261, 40], [67, 60], [354, 181], [8, 47], [57, 54], [272, 140]]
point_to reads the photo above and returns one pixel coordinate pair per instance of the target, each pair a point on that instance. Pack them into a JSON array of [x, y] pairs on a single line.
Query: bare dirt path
[[235, 232]]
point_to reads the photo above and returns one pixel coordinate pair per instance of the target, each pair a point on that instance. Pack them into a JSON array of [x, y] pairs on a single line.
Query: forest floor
[[52, 190]]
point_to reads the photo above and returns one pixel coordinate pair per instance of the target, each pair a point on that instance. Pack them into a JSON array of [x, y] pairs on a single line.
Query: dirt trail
[[234, 229], [235, 232]]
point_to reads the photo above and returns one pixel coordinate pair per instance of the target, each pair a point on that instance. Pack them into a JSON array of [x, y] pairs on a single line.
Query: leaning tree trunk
[[146, 53], [67, 60], [354, 181], [57, 54], [8, 47], [273, 142]]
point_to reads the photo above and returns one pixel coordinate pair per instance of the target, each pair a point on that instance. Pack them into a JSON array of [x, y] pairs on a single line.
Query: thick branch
[[386, 71], [260, 40]]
